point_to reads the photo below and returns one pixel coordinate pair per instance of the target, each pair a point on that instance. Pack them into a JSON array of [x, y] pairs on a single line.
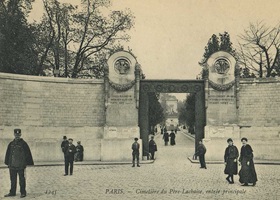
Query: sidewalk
[[40, 164], [259, 162]]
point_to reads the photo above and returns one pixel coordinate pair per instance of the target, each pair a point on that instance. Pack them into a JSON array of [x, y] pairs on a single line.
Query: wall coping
[[259, 80], [20, 77]]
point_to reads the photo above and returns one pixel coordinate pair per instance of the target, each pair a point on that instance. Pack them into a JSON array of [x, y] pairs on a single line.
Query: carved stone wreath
[[122, 87], [220, 87]]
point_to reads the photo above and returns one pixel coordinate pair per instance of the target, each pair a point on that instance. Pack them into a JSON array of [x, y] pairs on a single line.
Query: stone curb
[[49, 164], [258, 162]]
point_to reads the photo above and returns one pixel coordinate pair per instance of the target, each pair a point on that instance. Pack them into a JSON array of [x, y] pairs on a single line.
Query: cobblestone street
[[171, 176]]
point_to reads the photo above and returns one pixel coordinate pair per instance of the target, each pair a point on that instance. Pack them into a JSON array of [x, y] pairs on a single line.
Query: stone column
[[121, 124], [221, 113]]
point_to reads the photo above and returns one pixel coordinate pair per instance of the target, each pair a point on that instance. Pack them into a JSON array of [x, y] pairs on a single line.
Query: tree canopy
[[72, 41], [215, 44], [17, 53]]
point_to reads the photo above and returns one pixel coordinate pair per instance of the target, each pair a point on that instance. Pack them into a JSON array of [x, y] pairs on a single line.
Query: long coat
[[70, 151], [247, 173], [166, 136], [152, 146], [172, 138], [201, 150], [18, 155], [231, 153]]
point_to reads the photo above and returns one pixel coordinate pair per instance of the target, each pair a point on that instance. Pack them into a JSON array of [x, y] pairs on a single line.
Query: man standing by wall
[[18, 156], [69, 153], [135, 152], [64, 143]]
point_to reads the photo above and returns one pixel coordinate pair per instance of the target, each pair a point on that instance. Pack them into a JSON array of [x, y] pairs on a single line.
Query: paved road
[[172, 176]]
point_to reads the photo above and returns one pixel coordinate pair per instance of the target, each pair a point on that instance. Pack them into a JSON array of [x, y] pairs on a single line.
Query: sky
[[169, 37]]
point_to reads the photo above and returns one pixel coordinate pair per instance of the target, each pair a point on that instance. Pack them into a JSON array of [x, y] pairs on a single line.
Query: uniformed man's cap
[[17, 131], [70, 139], [64, 137], [79, 142], [136, 139]]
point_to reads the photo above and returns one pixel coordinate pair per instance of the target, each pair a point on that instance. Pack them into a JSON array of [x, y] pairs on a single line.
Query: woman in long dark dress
[[230, 157], [172, 138], [247, 172]]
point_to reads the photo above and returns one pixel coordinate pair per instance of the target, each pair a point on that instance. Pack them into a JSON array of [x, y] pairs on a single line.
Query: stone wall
[[46, 108], [259, 102], [258, 119]]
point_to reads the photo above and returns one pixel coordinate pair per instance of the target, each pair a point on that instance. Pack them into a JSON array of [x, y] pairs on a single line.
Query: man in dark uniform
[[69, 153], [135, 152], [18, 156]]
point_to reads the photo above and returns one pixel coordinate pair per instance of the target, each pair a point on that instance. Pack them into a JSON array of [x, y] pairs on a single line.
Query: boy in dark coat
[[135, 152], [69, 153], [201, 150], [18, 156], [230, 158]]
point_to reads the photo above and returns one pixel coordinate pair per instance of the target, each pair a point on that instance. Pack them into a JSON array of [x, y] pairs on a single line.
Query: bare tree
[[79, 37], [259, 49]]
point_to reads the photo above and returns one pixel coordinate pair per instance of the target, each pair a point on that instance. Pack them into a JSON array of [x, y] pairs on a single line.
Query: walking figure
[[18, 156], [165, 137], [172, 138], [230, 157], [152, 147], [135, 152], [247, 172]]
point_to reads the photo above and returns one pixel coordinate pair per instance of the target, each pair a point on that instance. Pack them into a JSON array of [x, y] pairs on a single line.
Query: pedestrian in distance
[[18, 156], [247, 173], [230, 158], [135, 152], [172, 138], [201, 151], [69, 153], [152, 148], [79, 156], [165, 137]]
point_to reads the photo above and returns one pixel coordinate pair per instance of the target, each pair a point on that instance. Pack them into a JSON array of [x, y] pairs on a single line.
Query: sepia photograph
[[139, 99]]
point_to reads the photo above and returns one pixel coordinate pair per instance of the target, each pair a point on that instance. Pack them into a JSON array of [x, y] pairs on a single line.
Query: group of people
[[71, 153], [166, 136], [136, 147], [247, 173], [18, 156]]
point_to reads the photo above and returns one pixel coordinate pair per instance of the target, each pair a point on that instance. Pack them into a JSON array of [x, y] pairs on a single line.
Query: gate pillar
[[121, 103]]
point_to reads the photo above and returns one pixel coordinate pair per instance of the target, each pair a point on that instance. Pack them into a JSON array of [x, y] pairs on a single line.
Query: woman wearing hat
[[230, 157], [247, 172]]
